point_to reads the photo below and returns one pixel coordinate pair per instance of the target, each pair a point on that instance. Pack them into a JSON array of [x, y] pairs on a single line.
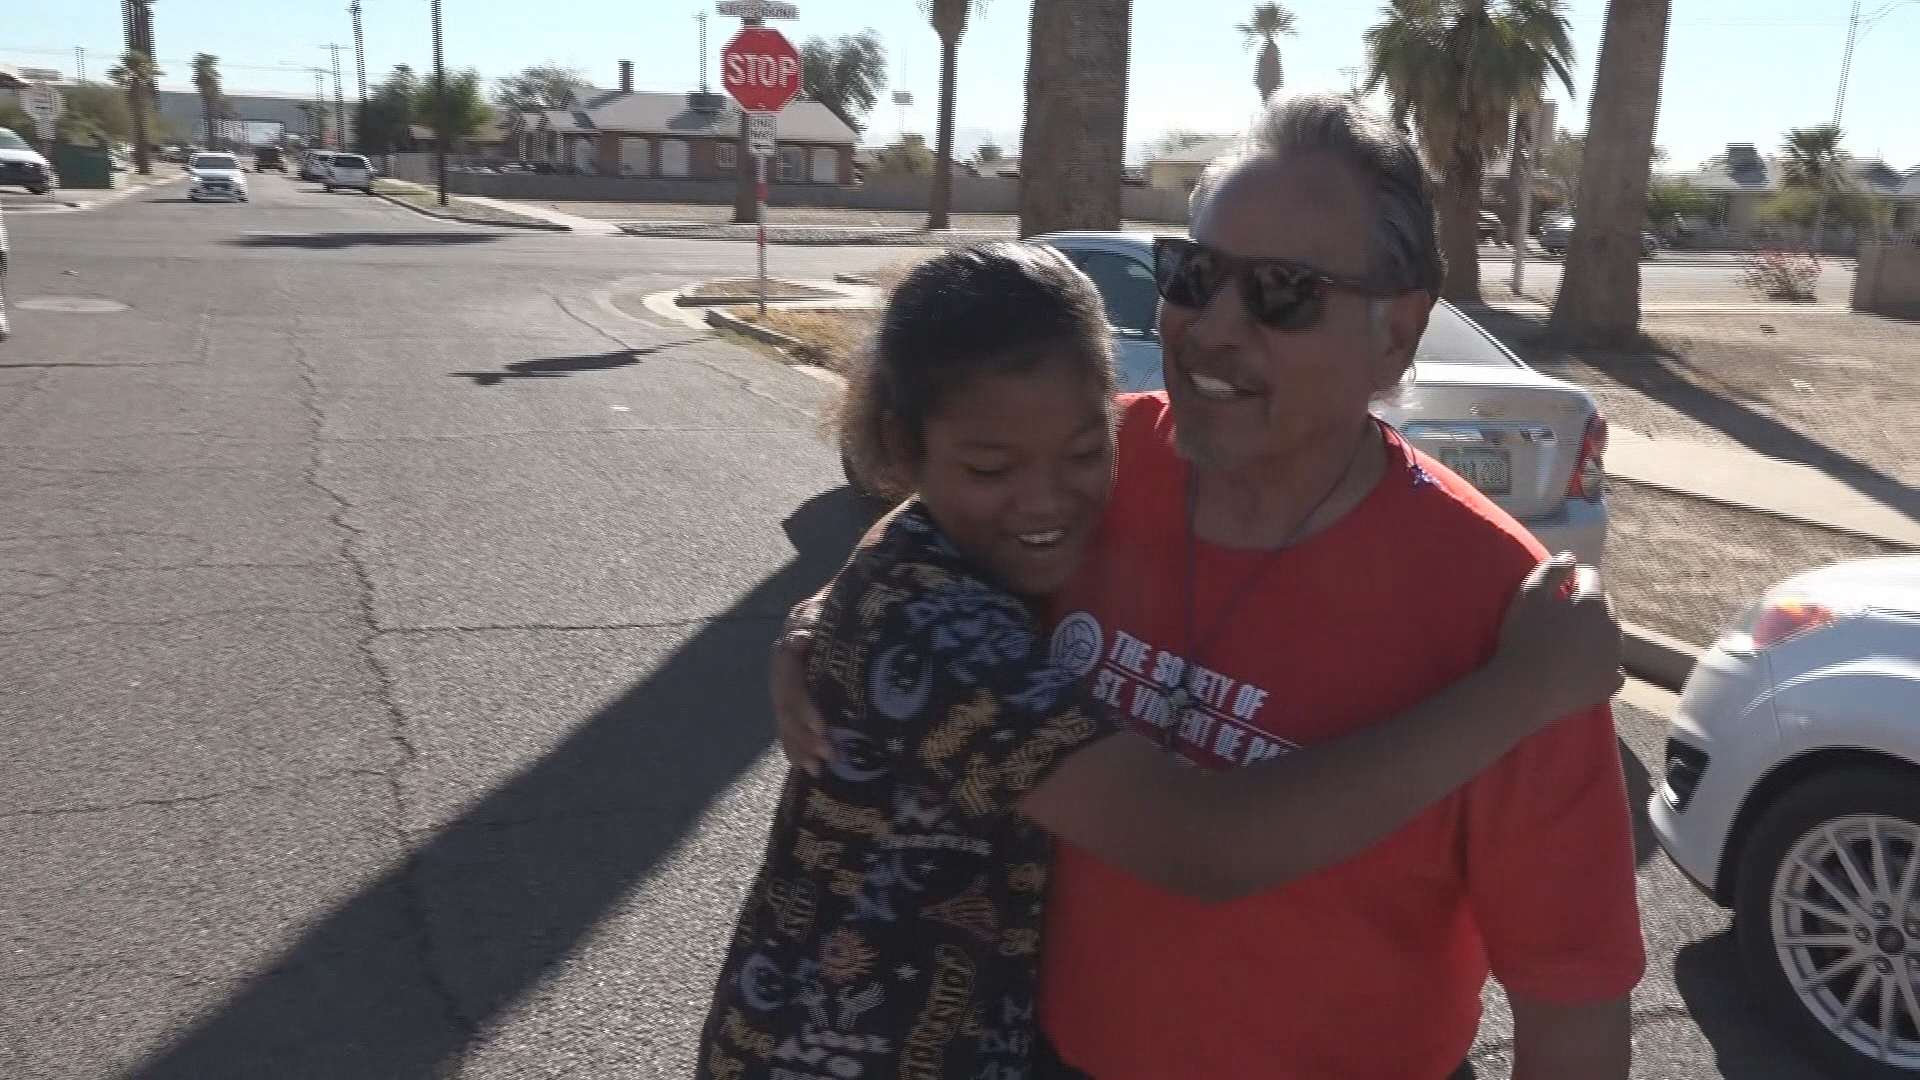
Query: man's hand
[[1561, 640], [803, 733], [1571, 1042]]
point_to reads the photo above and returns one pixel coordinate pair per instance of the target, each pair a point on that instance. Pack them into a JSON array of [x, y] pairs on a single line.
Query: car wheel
[[1827, 910]]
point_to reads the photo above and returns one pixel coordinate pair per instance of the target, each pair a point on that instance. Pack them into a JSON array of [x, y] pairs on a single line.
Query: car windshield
[[216, 161], [349, 161], [10, 141]]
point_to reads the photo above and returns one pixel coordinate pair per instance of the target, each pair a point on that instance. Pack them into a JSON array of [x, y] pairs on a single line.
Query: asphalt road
[[382, 616]]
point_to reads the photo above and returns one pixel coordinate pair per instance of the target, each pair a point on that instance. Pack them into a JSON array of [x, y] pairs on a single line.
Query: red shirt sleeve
[[1550, 866]]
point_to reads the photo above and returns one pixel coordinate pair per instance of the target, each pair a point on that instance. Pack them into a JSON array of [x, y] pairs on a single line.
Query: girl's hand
[[803, 732]]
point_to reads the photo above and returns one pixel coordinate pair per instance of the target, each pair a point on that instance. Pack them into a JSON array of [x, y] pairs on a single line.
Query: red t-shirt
[[1372, 968]]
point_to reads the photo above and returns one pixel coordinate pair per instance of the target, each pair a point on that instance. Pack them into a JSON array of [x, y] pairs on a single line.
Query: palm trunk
[[1460, 222], [206, 111], [1600, 289], [942, 200], [1074, 143], [136, 102]]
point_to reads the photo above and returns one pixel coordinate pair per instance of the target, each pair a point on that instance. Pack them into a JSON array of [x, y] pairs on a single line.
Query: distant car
[[1791, 794], [1492, 229], [216, 176], [268, 157], [349, 171], [1533, 444], [4, 329], [313, 165], [22, 166], [1557, 234]]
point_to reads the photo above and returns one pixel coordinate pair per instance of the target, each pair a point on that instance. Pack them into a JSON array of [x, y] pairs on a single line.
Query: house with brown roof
[[692, 136]]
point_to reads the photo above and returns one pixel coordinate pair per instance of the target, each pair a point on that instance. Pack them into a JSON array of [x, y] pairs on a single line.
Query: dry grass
[[828, 335], [749, 288]]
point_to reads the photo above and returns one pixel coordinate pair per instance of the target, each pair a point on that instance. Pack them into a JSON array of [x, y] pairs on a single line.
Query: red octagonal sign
[[760, 68]]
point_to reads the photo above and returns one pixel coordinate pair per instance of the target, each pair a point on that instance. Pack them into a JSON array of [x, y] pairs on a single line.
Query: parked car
[[313, 164], [4, 328], [1557, 234], [22, 166], [1791, 794], [1534, 444], [349, 171], [216, 175], [1492, 229], [268, 157]]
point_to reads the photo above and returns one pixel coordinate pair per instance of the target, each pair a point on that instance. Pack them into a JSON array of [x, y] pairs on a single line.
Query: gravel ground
[[1687, 567], [1828, 389]]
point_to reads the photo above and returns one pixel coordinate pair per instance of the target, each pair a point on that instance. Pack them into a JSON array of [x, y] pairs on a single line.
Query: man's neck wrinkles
[[1262, 502]]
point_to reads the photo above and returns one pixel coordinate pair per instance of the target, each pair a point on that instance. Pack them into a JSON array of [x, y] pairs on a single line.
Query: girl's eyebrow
[[1097, 423]]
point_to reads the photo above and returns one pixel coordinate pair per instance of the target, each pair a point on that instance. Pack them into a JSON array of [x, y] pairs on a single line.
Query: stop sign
[[760, 68]]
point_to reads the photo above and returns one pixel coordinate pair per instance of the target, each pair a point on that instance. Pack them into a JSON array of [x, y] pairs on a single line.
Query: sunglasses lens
[[1189, 275], [1283, 298]]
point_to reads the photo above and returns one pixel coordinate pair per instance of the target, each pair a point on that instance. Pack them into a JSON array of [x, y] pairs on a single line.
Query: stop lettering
[[760, 68]]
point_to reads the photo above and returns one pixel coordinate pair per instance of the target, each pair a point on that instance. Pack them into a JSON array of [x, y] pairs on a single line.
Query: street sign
[[757, 9], [762, 133], [760, 68], [42, 102]]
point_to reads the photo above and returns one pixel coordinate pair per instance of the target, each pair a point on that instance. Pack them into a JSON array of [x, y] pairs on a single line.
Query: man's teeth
[[1042, 537], [1212, 387]]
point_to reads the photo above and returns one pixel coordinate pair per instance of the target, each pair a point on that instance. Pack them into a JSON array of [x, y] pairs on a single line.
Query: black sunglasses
[[1281, 294]]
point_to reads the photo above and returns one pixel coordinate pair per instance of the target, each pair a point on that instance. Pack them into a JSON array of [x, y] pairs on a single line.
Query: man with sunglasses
[[1278, 568]]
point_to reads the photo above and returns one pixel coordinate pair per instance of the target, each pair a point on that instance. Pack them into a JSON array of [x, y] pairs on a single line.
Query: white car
[[1532, 443], [348, 171], [216, 176], [1791, 794], [22, 165]]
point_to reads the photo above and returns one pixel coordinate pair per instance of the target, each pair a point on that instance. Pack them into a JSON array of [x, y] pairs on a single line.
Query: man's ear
[[1406, 322]]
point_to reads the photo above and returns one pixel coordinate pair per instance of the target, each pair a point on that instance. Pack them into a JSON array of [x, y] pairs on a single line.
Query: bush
[[1781, 275]]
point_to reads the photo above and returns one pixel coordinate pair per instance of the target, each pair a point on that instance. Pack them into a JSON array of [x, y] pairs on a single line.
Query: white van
[[348, 171]]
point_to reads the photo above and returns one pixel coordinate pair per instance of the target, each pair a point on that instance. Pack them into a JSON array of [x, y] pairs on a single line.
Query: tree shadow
[[331, 240], [1663, 375], [400, 978], [559, 367], [1746, 1046]]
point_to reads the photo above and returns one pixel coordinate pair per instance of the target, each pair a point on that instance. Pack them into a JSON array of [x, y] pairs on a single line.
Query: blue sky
[[1737, 70]]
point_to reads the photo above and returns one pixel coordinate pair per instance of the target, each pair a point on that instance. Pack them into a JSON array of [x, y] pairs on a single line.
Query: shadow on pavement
[[1664, 376], [364, 239], [559, 367], [385, 987], [1639, 790], [1713, 983]]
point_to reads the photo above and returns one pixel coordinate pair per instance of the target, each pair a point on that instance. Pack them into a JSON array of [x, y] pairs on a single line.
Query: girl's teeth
[[1211, 386], [1042, 538]]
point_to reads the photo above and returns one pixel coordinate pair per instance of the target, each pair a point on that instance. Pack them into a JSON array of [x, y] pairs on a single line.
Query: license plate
[[1489, 470]]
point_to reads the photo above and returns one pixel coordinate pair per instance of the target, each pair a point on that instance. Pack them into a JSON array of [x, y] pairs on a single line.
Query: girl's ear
[[902, 461]]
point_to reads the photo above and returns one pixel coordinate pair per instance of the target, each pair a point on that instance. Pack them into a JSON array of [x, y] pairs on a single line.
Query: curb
[[540, 226], [685, 300], [792, 347], [1654, 657], [1782, 515], [857, 279], [807, 236]]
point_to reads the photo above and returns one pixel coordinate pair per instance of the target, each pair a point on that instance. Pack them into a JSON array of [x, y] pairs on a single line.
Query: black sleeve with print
[[894, 930]]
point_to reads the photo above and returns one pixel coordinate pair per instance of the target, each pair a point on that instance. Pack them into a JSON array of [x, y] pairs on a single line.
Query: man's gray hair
[[1406, 253]]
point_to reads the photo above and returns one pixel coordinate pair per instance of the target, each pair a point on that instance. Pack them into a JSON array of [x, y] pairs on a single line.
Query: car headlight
[[1776, 619]]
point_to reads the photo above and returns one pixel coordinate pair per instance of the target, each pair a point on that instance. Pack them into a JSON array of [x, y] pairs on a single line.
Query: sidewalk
[[1878, 509]]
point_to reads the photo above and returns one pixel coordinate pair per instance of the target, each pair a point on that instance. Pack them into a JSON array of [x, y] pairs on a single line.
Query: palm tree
[[137, 75], [1456, 70], [1600, 286], [1269, 22], [206, 81], [949, 19], [1816, 164], [1074, 143]]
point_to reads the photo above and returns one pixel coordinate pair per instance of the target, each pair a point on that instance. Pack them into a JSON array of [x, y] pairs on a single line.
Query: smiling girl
[[894, 928]]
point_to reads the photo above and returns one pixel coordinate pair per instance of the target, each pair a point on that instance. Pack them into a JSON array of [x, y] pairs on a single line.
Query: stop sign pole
[[761, 70]]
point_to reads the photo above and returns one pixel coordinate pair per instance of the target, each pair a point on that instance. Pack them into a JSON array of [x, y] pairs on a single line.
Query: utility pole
[[79, 64], [701, 18], [320, 108], [1839, 103], [440, 108], [339, 104], [360, 65]]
